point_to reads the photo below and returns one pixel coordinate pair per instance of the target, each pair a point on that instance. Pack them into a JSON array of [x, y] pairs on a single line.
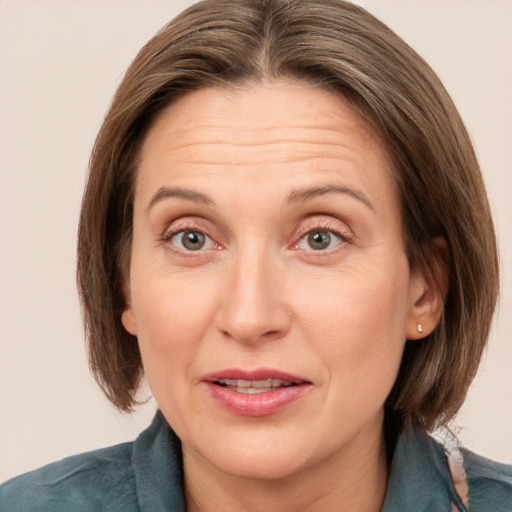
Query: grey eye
[[190, 240], [193, 240], [319, 240]]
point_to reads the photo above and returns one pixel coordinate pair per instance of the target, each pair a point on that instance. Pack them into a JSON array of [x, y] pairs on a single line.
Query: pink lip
[[259, 404], [257, 374]]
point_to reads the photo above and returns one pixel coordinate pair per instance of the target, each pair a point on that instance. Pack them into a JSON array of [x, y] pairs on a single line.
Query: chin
[[265, 454], [260, 465]]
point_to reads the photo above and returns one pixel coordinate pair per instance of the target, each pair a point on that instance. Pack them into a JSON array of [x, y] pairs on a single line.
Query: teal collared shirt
[[146, 476]]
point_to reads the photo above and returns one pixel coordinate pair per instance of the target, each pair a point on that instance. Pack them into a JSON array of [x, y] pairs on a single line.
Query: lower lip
[[258, 404]]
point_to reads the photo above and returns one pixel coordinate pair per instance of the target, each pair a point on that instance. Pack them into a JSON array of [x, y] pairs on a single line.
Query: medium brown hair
[[341, 47]]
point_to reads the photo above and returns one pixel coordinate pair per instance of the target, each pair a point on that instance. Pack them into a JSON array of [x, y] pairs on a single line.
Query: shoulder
[[489, 484], [98, 480], [143, 475], [445, 477]]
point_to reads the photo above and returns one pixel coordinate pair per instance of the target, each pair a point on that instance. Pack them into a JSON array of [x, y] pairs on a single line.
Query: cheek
[[173, 315], [357, 325]]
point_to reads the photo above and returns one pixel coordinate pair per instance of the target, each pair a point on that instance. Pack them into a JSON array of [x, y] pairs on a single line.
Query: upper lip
[[253, 375]]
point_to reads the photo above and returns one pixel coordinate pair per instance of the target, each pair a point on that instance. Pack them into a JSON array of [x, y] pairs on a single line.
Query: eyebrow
[[301, 195], [179, 193], [297, 196]]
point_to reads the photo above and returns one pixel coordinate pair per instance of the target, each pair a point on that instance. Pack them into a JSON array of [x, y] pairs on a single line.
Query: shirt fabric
[[147, 476]]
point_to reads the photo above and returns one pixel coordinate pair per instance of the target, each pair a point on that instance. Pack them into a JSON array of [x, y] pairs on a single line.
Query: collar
[[158, 468], [419, 478]]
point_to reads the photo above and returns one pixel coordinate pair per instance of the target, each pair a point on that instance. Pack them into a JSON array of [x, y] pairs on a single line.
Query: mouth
[[252, 387], [261, 392]]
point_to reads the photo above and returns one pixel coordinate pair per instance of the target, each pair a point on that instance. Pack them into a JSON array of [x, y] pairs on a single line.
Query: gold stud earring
[[419, 327]]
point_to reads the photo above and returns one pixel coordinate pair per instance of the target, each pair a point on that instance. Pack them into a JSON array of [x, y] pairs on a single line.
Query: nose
[[253, 305]]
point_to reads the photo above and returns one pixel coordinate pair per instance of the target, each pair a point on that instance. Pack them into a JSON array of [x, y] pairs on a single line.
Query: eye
[[319, 240], [191, 240]]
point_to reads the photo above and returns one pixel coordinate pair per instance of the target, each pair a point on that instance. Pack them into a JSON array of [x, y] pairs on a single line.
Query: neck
[[354, 479]]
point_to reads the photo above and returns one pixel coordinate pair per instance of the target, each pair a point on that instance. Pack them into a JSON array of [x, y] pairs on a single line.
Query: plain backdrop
[[60, 62]]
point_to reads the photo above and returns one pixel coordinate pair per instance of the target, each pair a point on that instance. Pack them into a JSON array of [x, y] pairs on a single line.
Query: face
[[269, 288]]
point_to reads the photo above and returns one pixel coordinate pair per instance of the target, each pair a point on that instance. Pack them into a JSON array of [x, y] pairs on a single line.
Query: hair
[[338, 46]]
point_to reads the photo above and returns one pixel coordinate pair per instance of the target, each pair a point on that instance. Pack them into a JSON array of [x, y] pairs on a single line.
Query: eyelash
[[182, 228], [343, 236]]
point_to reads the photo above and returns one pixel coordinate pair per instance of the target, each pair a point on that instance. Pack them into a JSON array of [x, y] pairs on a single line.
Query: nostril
[[271, 334], [244, 334]]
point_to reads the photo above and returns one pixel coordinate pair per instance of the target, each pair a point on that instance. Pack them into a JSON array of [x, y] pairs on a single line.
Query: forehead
[[256, 132], [263, 108]]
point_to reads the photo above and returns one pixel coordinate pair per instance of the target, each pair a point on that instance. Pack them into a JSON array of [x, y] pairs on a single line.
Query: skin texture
[[236, 166]]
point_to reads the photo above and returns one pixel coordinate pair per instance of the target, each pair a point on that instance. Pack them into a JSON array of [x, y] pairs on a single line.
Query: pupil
[[193, 240], [319, 240]]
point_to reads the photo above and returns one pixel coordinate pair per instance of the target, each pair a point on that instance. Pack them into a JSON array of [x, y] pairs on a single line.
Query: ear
[[128, 315], [427, 292]]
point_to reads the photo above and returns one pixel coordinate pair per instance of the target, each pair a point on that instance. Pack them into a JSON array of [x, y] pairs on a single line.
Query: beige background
[[60, 61]]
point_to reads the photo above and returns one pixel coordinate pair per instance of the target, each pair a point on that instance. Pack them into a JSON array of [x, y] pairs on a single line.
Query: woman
[[282, 231]]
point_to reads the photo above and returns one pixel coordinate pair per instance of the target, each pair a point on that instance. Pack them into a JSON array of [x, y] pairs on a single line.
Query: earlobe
[[427, 293], [128, 315], [128, 320], [425, 309]]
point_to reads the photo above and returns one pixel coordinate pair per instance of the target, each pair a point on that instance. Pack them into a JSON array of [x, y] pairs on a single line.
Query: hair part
[[338, 46]]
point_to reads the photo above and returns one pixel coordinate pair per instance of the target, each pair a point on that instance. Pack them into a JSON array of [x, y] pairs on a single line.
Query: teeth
[[251, 391], [254, 386], [260, 383], [228, 382]]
